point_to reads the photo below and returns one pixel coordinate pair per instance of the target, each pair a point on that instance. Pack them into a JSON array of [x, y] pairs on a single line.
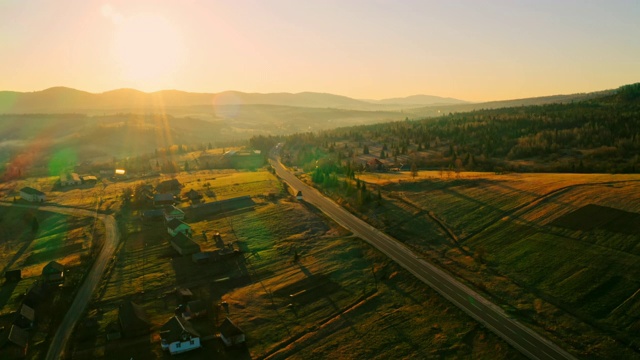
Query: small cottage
[[193, 195], [178, 336], [200, 257], [175, 226], [34, 296], [153, 215], [89, 179], [14, 343], [53, 273], [195, 309], [230, 333], [32, 195], [163, 199], [172, 186], [25, 318], [70, 179], [184, 245], [171, 212], [13, 275], [184, 294]]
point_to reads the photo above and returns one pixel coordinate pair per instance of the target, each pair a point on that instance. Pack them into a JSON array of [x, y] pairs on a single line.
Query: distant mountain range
[[419, 100], [436, 110], [62, 99], [180, 103]]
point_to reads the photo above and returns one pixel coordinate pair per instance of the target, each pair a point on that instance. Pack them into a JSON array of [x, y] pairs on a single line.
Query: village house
[[176, 226], [32, 195], [193, 195], [34, 296], [184, 294], [172, 186], [13, 275], [133, 320], [200, 257], [184, 245], [53, 273], [89, 179], [243, 158], [375, 165], [171, 212], [71, 179], [178, 336], [195, 309], [163, 199], [25, 318], [120, 174], [14, 342], [153, 215], [230, 333]]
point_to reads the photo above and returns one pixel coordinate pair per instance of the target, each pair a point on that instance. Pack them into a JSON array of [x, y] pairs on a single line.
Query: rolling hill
[[66, 100]]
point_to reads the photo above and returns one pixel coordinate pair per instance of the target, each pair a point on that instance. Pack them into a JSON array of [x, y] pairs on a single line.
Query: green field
[[65, 239], [337, 307], [561, 251]]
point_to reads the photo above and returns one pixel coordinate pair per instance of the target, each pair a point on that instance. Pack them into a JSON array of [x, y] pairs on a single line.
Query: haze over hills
[[63, 99], [419, 100], [436, 110], [180, 103]]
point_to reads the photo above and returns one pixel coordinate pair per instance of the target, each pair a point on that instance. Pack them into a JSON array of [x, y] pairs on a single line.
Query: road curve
[[91, 280], [525, 340]]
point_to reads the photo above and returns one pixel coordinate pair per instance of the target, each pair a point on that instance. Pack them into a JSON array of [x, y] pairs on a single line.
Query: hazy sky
[[472, 50]]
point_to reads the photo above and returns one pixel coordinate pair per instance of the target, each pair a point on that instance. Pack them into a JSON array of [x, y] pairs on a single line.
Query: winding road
[[527, 341], [91, 280]]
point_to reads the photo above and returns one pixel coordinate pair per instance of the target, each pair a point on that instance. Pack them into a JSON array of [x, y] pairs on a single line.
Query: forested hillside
[[596, 135]]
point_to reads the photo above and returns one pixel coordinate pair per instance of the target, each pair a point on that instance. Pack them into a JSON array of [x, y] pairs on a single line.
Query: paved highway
[[528, 342], [59, 341]]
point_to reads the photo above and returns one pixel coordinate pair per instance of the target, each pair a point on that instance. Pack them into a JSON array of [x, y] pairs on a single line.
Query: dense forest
[[595, 135]]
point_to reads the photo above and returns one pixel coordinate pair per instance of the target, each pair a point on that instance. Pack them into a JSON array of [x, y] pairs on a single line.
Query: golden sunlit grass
[[506, 223], [335, 271], [65, 239]]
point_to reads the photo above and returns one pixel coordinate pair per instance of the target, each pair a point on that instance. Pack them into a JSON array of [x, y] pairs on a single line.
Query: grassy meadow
[[337, 306], [65, 239], [559, 251]]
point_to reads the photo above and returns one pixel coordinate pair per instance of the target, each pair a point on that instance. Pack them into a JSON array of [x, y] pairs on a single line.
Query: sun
[[147, 49]]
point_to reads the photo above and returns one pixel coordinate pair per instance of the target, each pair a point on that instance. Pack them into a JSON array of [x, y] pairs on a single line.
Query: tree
[[414, 170], [458, 164], [35, 224], [365, 150], [186, 165]]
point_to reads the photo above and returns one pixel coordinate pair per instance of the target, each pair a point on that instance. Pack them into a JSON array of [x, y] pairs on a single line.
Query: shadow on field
[[5, 292], [28, 239], [53, 254], [309, 290], [134, 348]]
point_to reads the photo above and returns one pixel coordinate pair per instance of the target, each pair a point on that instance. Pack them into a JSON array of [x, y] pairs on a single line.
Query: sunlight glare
[[147, 49]]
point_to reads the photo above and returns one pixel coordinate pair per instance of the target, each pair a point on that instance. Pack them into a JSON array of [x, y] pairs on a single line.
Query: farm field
[[559, 250], [67, 240], [107, 193], [337, 306]]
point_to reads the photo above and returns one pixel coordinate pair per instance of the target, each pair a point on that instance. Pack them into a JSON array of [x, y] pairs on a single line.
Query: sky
[[374, 49]]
